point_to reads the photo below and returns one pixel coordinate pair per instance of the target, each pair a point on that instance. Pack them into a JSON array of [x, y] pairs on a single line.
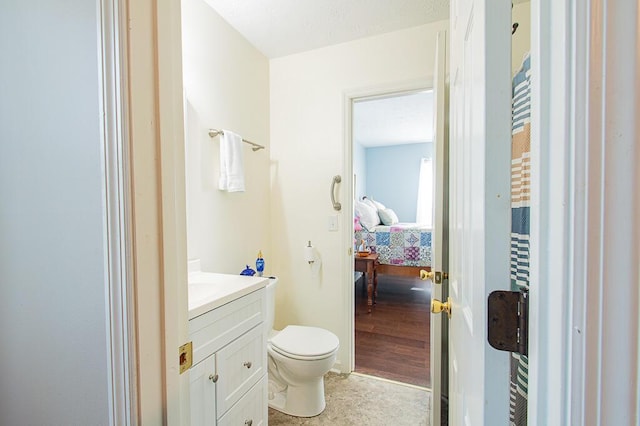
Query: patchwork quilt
[[402, 244]]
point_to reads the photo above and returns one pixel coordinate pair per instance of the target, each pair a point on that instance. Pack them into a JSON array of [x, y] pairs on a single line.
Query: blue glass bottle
[[260, 264]]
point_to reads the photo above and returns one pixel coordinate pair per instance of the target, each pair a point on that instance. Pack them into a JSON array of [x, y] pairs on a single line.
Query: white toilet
[[298, 358]]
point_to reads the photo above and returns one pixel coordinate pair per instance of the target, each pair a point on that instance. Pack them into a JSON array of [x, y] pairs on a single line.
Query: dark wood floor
[[393, 340]]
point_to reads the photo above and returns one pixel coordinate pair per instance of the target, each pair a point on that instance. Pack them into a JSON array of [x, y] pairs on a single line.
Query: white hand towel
[[231, 163]]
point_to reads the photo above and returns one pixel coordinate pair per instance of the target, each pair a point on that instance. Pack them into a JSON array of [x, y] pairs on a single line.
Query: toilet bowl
[[298, 359]]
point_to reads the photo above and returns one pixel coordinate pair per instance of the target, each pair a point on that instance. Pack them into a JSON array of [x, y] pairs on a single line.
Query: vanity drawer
[[211, 331], [252, 409], [240, 365]]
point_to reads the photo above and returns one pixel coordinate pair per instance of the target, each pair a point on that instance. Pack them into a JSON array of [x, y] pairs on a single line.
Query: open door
[[479, 209], [440, 255]]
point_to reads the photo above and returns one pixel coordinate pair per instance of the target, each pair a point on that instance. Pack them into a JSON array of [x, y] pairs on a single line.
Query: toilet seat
[[305, 343]]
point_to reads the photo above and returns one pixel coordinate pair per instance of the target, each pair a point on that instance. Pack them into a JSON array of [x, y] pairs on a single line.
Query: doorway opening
[[392, 151]]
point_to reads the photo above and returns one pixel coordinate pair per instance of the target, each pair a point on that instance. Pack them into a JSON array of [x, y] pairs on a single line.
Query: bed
[[403, 248]]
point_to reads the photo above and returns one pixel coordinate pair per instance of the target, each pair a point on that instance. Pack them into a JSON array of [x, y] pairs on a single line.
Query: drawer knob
[[248, 422], [247, 364], [213, 377]]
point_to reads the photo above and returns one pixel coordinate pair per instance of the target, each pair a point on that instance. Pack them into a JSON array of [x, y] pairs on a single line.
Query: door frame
[[152, 91], [581, 193], [372, 92], [119, 291], [439, 349], [173, 204], [550, 240]]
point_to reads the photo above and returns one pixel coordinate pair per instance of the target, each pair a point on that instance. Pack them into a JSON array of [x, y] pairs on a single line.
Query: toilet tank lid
[[305, 341]]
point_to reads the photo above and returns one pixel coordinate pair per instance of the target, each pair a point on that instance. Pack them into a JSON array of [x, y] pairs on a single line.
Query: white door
[[479, 217], [439, 243]]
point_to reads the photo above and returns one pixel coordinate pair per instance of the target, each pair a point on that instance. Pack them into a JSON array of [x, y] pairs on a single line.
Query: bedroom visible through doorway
[[392, 141]]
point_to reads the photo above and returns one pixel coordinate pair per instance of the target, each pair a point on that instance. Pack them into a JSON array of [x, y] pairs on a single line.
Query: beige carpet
[[360, 400]]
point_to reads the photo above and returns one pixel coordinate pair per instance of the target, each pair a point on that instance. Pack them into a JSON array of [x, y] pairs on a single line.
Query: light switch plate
[[332, 222]]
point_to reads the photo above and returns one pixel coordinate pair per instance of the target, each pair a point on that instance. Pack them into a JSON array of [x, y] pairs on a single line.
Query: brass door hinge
[[185, 353], [508, 321]]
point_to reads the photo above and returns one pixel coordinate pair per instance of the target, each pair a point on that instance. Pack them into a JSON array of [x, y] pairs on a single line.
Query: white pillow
[[368, 202], [368, 215], [377, 204], [388, 217]]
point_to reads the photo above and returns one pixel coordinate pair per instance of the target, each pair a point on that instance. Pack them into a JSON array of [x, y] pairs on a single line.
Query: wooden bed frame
[[404, 271]]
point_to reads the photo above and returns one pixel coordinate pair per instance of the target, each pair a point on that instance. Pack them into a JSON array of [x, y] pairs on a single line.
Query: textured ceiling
[[283, 27], [394, 120]]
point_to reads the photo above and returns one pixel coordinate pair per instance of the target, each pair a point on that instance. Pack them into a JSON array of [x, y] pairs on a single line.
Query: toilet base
[[300, 401]]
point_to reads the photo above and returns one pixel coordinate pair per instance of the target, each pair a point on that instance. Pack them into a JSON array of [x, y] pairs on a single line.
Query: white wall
[[52, 275], [359, 170], [307, 133], [226, 82], [393, 176]]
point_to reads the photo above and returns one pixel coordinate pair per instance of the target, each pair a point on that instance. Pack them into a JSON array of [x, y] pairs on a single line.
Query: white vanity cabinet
[[228, 380]]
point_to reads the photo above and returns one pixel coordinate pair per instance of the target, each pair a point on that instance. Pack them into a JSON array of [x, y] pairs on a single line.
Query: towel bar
[[254, 146]]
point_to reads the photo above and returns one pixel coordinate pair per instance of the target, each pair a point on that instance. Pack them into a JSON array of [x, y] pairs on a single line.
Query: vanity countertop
[[208, 290]]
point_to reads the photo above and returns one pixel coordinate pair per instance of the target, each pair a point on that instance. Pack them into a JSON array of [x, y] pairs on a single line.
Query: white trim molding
[[118, 269], [606, 197], [348, 98], [551, 213], [585, 321], [173, 203]]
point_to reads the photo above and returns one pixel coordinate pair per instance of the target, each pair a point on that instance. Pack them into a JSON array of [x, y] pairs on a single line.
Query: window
[[424, 213]]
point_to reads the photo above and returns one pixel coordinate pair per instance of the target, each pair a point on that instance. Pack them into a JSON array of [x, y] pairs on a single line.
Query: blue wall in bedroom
[[392, 174], [360, 170]]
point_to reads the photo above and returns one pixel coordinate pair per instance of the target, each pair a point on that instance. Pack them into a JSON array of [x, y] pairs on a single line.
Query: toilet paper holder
[[309, 253]]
